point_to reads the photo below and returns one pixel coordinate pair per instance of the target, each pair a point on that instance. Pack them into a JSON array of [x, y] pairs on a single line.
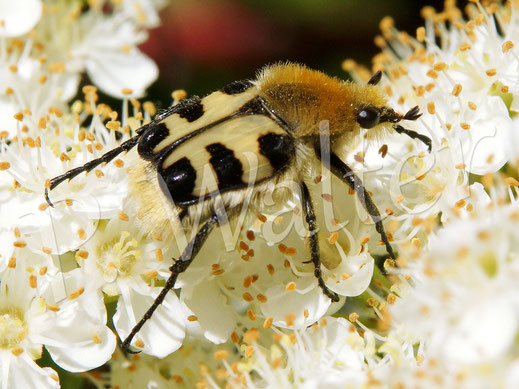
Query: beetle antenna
[[87, 167], [375, 79]]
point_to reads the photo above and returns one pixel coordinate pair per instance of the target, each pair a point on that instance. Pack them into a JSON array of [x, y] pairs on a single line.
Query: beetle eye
[[368, 118]]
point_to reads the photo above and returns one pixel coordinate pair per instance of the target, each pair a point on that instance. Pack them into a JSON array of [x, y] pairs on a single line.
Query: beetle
[[275, 118]]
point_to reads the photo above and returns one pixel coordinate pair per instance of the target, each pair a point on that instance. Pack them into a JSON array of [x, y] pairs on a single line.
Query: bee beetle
[[276, 118]]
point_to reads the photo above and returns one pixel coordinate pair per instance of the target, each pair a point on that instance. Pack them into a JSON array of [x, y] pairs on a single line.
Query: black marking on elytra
[[228, 168], [236, 87], [255, 106], [190, 109], [278, 148], [150, 139], [178, 181]]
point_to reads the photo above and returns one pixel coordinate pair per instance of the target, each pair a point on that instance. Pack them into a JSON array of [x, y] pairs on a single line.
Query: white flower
[[121, 261], [32, 314], [465, 287], [326, 355]]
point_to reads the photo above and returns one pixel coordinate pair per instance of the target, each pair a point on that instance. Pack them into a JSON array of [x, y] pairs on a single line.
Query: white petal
[[280, 303], [360, 270], [90, 344], [209, 305], [23, 372], [163, 333], [113, 71], [20, 16]]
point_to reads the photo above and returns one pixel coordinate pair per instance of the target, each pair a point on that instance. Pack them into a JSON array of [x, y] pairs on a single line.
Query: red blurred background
[[205, 44]]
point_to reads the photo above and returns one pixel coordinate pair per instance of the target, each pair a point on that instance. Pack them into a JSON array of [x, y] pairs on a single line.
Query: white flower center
[[13, 328], [116, 258]]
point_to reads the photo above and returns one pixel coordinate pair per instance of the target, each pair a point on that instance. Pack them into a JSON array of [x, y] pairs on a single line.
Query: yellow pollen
[[432, 74], [43, 271], [353, 317], [472, 105], [262, 298], [123, 216], [420, 34], [235, 337], [290, 287], [251, 314], [11, 263], [139, 343], [270, 269], [491, 72], [399, 199], [247, 297], [268, 322], [119, 163], [460, 204], [288, 251], [17, 351], [333, 237], [465, 47], [33, 281], [82, 234], [431, 108], [457, 89], [53, 307], [96, 339], [251, 335], [391, 298], [113, 125], [152, 274], [75, 294], [221, 354], [43, 206], [82, 254], [126, 91], [158, 255], [507, 46], [290, 318], [179, 94], [192, 318], [4, 165], [465, 126]]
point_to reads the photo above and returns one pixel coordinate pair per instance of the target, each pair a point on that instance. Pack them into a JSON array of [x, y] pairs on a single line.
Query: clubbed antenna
[[413, 114]]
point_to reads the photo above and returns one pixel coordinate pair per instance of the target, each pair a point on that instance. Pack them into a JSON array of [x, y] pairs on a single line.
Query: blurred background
[[204, 44]]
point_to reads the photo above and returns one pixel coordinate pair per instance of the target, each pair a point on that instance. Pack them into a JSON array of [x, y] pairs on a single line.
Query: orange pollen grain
[[262, 298], [249, 352], [4, 165], [491, 72], [507, 46], [270, 269], [192, 318], [119, 163], [250, 235], [139, 343], [158, 255], [432, 74], [251, 335], [289, 251], [364, 240], [75, 294], [290, 319], [12, 262], [126, 91], [251, 314], [19, 244], [268, 322], [221, 354], [82, 254], [431, 108], [290, 287], [333, 237], [247, 297], [96, 339], [43, 271], [420, 34], [81, 233], [17, 351], [33, 281], [353, 317], [53, 307], [235, 337], [465, 126], [218, 272], [124, 217]]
